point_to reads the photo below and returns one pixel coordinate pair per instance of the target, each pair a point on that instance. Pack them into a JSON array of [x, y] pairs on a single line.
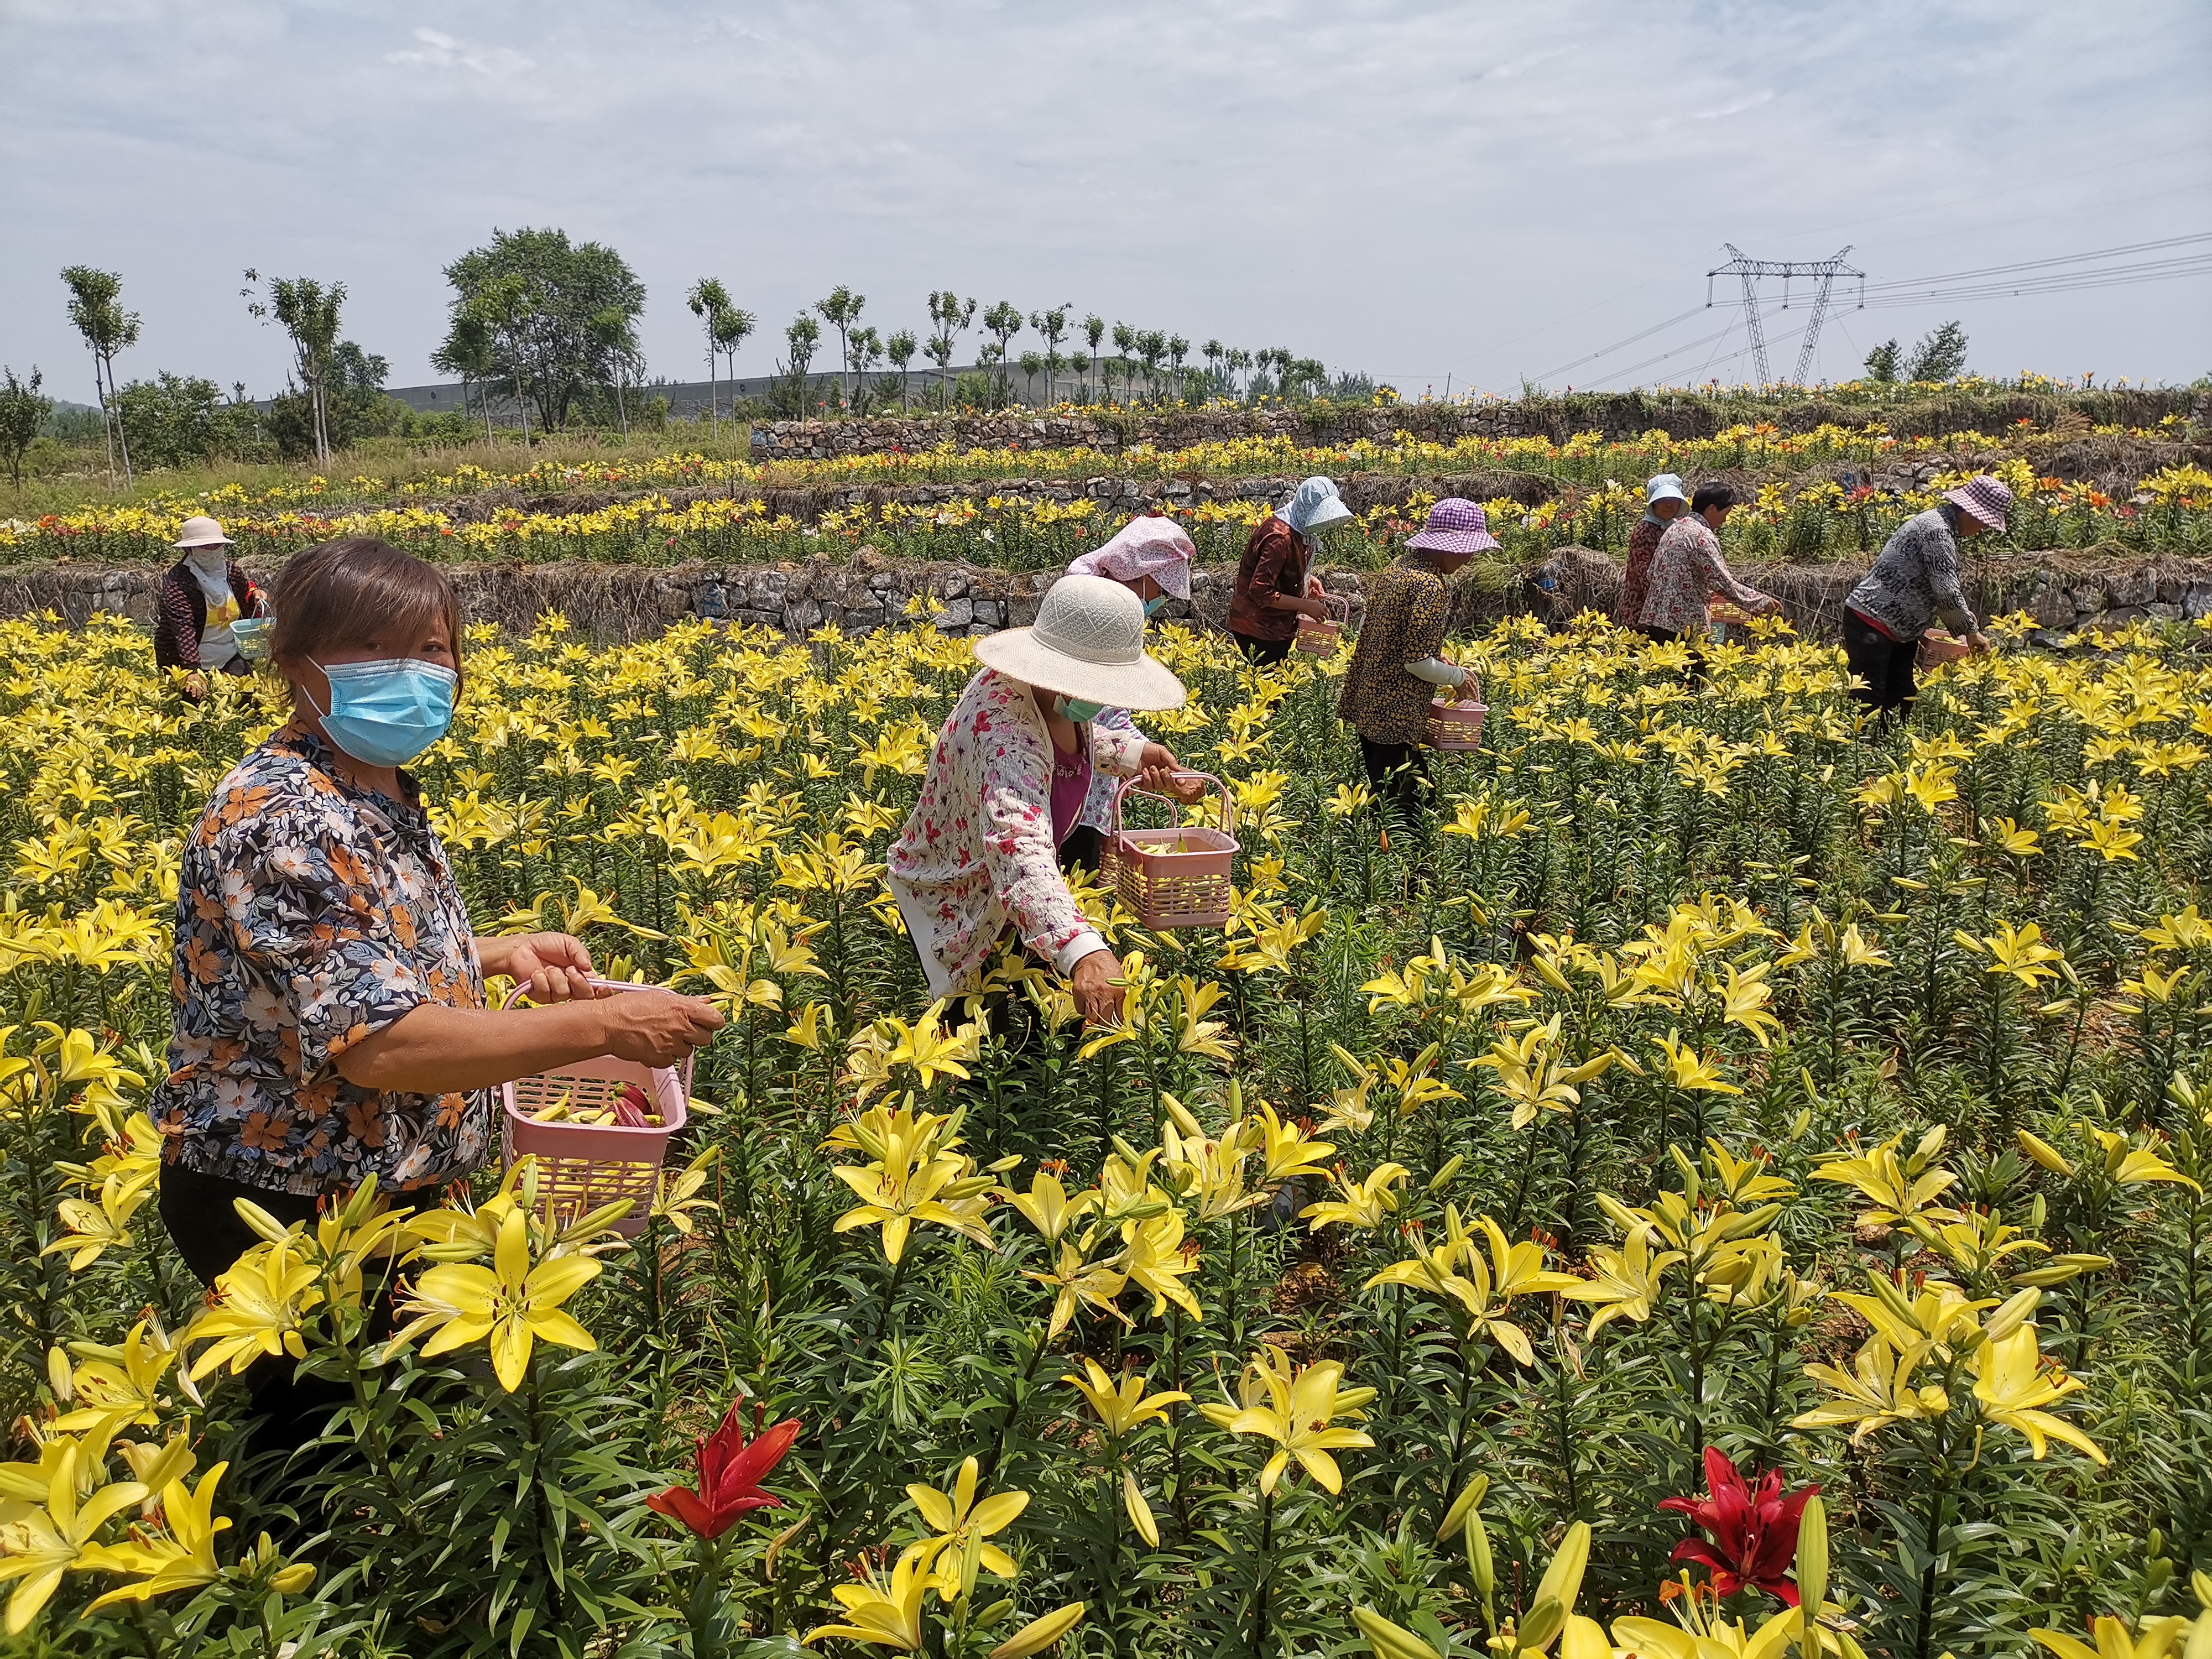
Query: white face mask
[[207, 561]]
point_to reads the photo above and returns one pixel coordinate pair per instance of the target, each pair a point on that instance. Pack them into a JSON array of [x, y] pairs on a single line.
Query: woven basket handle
[[1129, 786]]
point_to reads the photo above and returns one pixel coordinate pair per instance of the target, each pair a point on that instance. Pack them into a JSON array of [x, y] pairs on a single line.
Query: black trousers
[[1671, 636], [1080, 850], [209, 1233], [1886, 666], [1264, 652], [1399, 773]]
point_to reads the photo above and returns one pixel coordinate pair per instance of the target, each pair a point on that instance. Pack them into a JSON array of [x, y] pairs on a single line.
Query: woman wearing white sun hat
[[1007, 781], [201, 595]]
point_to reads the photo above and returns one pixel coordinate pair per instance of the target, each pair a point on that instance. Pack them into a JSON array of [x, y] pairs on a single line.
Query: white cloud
[[438, 51]]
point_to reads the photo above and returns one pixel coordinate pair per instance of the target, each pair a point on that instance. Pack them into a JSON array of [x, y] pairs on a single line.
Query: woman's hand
[[1314, 589], [557, 967], [196, 685], [659, 1028], [1158, 770], [1096, 998], [1978, 642]]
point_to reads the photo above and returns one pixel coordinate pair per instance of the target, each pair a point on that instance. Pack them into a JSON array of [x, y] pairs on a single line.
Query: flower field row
[[2170, 512], [1483, 1246], [1583, 458]]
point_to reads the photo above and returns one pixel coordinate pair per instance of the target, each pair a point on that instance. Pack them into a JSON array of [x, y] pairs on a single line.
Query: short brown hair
[[341, 594]]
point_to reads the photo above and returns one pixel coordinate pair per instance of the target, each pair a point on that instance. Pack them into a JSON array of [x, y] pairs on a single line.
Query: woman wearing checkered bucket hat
[[1397, 666], [1914, 580]]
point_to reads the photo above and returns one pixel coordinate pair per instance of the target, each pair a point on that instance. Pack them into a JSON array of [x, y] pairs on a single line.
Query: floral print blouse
[[977, 852], [1686, 570], [310, 915], [1407, 613], [1636, 580]]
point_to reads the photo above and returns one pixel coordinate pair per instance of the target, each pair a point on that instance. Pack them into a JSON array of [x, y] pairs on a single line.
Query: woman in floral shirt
[[330, 1017], [1687, 570], [1007, 783]]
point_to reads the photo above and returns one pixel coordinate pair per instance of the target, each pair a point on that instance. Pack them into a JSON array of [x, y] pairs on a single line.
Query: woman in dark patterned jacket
[[330, 1017], [200, 596]]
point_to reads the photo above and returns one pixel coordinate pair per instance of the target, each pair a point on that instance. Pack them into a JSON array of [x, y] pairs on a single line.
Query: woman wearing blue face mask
[[330, 1017], [977, 860], [1151, 557]]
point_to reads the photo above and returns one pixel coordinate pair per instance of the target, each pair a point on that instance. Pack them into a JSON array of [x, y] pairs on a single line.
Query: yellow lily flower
[[884, 1613], [511, 1303], [1124, 1407], [2158, 1638], [184, 1557], [262, 1301], [1041, 1633], [1296, 1409], [1626, 1280], [954, 1518], [2012, 1388], [1154, 1262], [1367, 1203], [60, 1538], [1877, 1391]]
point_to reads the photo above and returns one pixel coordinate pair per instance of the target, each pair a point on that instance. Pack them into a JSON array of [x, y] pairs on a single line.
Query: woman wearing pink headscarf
[[1151, 557]]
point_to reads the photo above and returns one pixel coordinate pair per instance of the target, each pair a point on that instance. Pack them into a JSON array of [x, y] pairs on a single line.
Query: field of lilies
[[1807, 496], [1735, 1181]]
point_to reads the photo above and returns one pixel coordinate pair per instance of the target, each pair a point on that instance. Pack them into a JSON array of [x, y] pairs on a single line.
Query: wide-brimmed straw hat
[[201, 532], [1985, 497], [1088, 643], [1454, 526]]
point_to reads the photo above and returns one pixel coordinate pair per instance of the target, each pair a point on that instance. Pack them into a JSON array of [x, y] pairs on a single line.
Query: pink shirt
[[1071, 785]]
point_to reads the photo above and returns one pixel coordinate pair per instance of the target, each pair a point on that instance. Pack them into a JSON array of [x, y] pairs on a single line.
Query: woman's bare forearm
[[435, 1049]]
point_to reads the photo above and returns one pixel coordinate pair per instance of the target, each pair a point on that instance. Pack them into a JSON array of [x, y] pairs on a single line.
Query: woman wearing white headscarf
[[1151, 557], [1275, 583], [201, 595]]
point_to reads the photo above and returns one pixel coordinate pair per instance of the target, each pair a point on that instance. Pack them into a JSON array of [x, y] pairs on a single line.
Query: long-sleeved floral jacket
[[1686, 570], [977, 852]]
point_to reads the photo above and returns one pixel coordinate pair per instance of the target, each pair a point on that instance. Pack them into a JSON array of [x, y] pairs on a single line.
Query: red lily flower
[[730, 1473], [1754, 1528]]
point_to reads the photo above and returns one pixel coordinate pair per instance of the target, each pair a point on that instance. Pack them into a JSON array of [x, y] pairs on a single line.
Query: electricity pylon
[[1822, 273]]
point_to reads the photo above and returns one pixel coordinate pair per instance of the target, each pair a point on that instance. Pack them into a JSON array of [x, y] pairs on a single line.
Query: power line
[[1608, 351], [2033, 264]]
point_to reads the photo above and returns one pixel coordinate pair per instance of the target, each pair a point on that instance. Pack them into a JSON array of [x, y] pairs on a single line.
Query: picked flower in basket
[[598, 1129], [1177, 876], [1320, 639], [1456, 724], [1937, 649]]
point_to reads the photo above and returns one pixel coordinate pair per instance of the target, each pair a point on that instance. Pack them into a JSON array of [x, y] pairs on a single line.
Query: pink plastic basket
[[1172, 878], [1321, 639], [1455, 726], [581, 1166]]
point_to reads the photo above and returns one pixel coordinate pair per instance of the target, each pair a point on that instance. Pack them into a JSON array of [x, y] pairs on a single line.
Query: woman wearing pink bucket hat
[[1914, 580], [1395, 667]]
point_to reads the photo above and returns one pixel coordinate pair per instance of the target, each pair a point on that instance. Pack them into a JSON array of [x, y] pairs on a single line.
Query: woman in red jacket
[[1275, 584], [201, 595]]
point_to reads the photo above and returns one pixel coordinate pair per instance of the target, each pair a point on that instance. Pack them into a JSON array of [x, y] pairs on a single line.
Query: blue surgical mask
[[387, 711], [1080, 712], [1152, 604]]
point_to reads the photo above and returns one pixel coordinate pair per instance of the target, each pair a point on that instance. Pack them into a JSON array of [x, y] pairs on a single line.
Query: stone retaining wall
[[1615, 416], [612, 602]]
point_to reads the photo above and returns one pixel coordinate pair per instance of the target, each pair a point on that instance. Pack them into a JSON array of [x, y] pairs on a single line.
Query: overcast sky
[[1479, 191]]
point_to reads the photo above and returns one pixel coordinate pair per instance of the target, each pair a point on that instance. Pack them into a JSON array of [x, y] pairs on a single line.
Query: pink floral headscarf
[[1149, 546]]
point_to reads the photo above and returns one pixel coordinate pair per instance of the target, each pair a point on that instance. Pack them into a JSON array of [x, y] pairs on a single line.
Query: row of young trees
[[1083, 372], [550, 326]]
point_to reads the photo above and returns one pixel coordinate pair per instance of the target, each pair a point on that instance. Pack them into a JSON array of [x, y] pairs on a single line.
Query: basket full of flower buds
[[1177, 876], [1317, 638], [598, 1129]]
